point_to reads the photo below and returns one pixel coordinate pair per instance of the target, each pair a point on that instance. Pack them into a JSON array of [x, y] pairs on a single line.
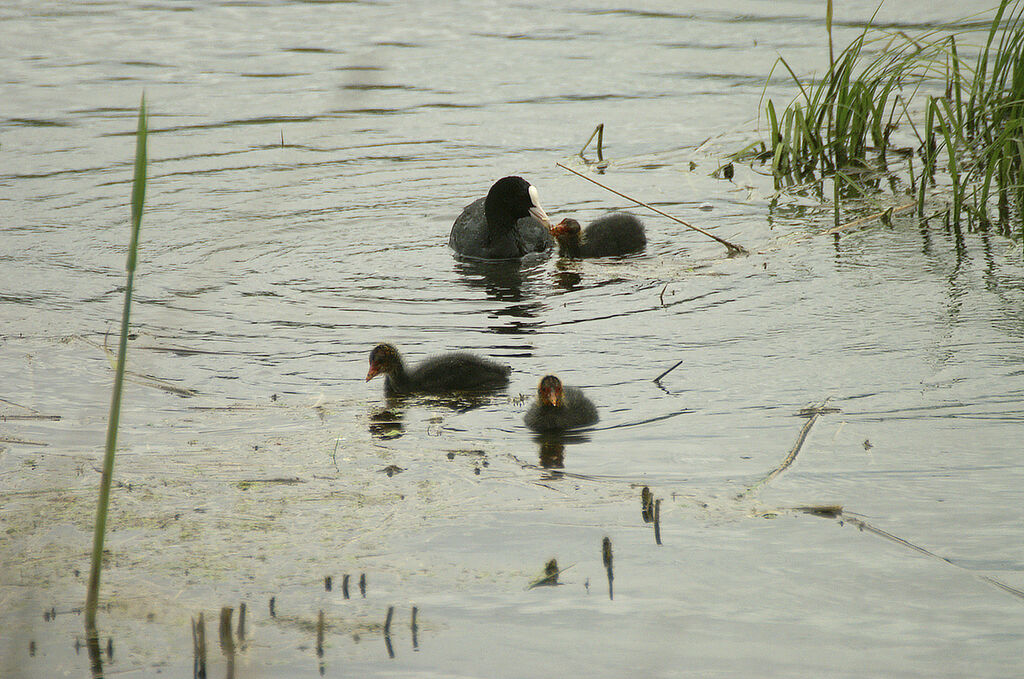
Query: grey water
[[307, 160]]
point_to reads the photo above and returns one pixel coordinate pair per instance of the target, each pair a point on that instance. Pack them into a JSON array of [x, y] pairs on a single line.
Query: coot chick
[[459, 371], [508, 224], [618, 233], [558, 407]]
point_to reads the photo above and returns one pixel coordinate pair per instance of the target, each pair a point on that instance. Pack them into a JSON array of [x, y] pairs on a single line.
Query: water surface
[[307, 161]]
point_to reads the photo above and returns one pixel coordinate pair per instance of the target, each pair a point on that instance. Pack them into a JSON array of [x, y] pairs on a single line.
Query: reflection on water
[[552, 453], [568, 274], [502, 280], [386, 424], [551, 446], [514, 283]]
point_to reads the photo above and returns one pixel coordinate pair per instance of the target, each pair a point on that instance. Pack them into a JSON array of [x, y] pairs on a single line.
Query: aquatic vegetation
[[99, 531], [967, 117]]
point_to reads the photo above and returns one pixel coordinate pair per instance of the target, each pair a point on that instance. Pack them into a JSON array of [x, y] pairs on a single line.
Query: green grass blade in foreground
[[99, 531]]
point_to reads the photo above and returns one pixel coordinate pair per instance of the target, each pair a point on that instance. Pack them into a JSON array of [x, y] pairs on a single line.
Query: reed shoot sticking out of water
[[99, 531]]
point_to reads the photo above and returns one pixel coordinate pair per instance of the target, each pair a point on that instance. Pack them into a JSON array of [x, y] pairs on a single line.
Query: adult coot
[[508, 224], [459, 371], [558, 407], [619, 233]]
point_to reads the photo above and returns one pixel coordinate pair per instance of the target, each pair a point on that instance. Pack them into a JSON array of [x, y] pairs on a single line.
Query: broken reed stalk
[[870, 218], [199, 647], [732, 247], [678, 363], [415, 629], [227, 641], [606, 558], [599, 133], [241, 621], [657, 521], [99, 531]]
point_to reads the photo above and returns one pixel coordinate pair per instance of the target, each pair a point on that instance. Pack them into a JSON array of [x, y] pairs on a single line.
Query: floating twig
[[23, 442], [52, 418], [732, 247], [812, 415], [287, 481], [883, 215], [139, 378], [865, 526]]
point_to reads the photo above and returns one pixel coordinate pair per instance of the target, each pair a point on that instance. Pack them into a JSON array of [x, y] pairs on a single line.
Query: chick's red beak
[[374, 371], [553, 397]]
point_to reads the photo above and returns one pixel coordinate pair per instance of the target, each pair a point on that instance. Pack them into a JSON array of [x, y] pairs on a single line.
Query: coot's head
[[550, 391], [512, 198], [383, 359], [567, 230]]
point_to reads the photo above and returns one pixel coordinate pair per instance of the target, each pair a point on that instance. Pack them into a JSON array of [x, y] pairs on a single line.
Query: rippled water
[[307, 161]]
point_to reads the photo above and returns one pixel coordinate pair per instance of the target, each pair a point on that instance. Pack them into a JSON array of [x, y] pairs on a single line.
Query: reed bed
[[961, 107]]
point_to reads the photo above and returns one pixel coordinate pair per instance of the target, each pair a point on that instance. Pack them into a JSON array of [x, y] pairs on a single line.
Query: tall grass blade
[[828, 27], [99, 531]]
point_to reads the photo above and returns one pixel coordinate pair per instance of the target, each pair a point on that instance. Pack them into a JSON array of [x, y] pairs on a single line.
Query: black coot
[[619, 233], [508, 224], [558, 408], [460, 371]]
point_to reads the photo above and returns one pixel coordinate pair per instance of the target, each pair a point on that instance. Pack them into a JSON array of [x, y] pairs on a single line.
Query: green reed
[[967, 115], [993, 121], [845, 119], [99, 531]]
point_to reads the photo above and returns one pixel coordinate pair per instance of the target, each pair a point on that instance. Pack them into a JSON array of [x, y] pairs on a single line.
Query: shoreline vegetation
[[913, 114]]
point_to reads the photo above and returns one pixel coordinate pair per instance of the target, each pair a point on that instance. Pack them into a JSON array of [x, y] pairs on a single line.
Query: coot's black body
[[619, 233], [445, 373], [508, 224], [558, 408]]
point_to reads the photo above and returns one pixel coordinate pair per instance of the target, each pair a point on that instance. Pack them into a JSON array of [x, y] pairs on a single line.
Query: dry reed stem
[[733, 248], [869, 218]]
